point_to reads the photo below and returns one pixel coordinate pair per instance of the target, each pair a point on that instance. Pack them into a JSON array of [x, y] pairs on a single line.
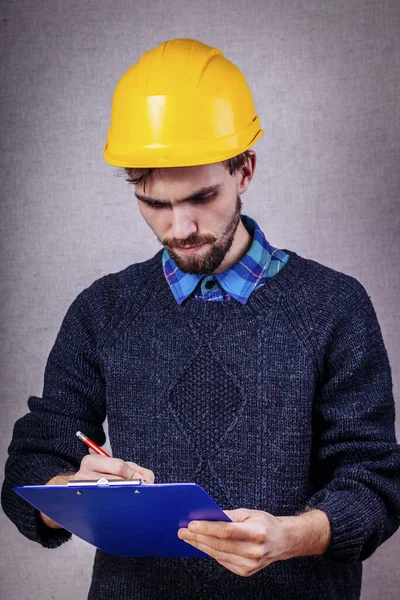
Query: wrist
[[49, 522], [60, 479], [57, 480], [307, 534]]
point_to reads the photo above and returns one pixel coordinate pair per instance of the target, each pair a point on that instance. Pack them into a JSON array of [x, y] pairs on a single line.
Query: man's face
[[198, 232]]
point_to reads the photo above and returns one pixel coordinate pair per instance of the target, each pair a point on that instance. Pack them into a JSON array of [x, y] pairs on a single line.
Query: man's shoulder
[[125, 282], [324, 299], [106, 295], [323, 284]]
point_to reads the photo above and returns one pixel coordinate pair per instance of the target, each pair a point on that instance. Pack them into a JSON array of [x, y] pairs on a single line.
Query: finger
[[220, 529], [106, 465], [239, 569], [244, 550], [94, 475], [142, 472], [233, 560]]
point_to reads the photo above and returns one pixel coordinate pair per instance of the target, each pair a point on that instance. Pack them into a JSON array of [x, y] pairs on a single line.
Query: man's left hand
[[254, 540]]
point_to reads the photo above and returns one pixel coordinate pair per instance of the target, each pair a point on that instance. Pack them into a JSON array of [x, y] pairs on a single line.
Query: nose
[[183, 223]]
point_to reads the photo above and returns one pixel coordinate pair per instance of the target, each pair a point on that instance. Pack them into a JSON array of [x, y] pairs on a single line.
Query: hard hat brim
[[120, 154]]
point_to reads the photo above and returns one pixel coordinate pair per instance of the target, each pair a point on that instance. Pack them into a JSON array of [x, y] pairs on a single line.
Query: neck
[[240, 245]]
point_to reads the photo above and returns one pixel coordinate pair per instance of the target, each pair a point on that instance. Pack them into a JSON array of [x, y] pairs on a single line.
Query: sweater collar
[[239, 280]]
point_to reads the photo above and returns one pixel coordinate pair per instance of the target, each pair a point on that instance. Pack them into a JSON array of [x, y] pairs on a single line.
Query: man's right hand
[[95, 466]]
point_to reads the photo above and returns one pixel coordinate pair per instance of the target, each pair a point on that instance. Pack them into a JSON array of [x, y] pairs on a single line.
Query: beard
[[207, 263]]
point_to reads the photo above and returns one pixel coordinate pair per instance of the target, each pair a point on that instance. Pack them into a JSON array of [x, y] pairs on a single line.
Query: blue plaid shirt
[[258, 265]]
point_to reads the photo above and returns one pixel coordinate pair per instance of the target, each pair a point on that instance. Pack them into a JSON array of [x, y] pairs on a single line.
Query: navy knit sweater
[[281, 405]]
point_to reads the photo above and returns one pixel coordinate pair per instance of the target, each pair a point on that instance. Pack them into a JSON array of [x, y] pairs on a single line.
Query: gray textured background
[[325, 78]]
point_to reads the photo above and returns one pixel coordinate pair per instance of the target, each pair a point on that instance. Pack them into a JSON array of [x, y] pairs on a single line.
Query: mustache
[[190, 241]]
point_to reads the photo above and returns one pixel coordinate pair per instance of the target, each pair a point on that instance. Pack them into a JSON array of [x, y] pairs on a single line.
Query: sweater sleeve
[[44, 443], [357, 457]]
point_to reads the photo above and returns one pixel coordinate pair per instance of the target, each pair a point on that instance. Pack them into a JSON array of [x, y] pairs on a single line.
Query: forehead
[[178, 182]]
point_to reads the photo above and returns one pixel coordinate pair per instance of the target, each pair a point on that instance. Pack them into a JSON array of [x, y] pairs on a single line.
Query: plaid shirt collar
[[238, 281]]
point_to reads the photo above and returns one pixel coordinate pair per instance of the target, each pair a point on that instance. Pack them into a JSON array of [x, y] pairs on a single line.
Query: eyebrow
[[197, 194]]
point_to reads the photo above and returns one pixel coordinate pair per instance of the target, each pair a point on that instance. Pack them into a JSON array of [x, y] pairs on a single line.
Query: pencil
[[91, 444]]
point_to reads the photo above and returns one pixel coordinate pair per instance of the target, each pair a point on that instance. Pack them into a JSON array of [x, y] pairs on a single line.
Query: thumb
[[238, 515]]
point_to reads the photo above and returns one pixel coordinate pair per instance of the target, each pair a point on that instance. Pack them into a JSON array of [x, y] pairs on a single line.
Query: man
[[257, 373]]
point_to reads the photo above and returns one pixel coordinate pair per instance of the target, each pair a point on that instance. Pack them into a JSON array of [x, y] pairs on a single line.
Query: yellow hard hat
[[182, 104]]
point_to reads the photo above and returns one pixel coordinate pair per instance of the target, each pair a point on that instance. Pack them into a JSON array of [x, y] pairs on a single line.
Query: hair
[[141, 175]]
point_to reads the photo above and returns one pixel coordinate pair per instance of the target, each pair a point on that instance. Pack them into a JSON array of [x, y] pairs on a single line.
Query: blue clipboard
[[127, 518]]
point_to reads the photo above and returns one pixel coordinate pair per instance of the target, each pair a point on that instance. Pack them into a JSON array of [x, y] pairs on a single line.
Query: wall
[[325, 78]]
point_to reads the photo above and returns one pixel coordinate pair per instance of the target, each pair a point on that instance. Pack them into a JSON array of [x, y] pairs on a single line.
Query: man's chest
[[227, 404]]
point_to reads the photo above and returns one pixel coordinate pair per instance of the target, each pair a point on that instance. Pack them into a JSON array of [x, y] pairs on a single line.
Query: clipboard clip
[[103, 482]]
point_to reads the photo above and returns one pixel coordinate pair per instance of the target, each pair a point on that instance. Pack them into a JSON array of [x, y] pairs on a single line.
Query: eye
[[160, 205], [202, 199], [156, 205]]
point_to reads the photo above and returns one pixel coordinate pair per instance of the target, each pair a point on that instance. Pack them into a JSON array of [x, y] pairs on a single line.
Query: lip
[[191, 250]]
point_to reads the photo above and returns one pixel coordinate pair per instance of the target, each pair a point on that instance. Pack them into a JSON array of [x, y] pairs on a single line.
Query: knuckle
[[85, 467], [86, 459], [119, 466], [133, 466], [149, 475], [244, 572], [254, 553], [138, 471], [226, 532], [259, 537], [217, 555]]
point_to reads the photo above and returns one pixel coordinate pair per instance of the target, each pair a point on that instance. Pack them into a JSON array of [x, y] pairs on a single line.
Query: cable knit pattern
[[282, 405]]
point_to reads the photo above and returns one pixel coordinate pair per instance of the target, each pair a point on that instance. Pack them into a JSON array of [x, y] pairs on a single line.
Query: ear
[[245, 173]]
